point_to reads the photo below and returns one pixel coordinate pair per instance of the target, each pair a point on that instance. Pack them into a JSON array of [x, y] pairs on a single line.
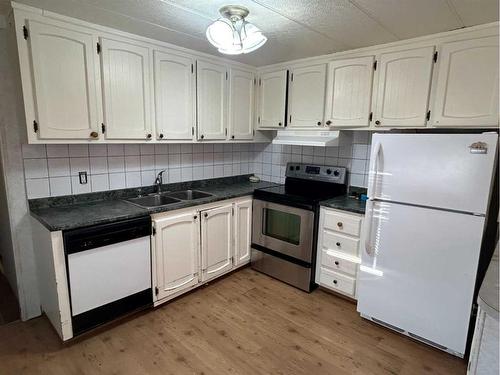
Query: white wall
[[18, 253]]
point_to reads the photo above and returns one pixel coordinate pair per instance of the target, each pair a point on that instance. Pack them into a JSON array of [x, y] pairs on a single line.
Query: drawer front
[[346, 224], [337, 242], [338, 282], [338, 264]]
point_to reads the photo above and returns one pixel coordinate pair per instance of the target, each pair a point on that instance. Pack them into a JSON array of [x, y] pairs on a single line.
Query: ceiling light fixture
[[232, 35]]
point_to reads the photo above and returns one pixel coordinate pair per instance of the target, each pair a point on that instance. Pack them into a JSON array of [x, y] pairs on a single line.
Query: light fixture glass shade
[[234, 37]]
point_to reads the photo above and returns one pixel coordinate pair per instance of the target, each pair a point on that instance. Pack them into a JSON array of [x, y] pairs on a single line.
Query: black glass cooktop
[[301, 191]]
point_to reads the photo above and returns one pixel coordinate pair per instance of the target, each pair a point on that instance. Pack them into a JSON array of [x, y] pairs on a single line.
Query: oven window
[[281, 225]]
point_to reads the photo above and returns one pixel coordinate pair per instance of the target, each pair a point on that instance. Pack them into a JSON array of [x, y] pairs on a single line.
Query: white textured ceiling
[[295, 28]]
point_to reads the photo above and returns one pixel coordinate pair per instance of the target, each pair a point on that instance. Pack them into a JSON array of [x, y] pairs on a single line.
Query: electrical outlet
[[83, 177]]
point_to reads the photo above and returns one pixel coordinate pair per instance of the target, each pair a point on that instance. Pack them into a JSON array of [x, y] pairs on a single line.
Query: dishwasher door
[[109, 271]]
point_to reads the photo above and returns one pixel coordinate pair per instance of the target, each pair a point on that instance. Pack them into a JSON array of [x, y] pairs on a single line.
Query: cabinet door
[[216, 238], [404, 81], [467, 84], [212, 100], [127, 95], [241, 104], [65, 68], [176, 253], [242, 231], [306, 96], [174, 96], [272, 99], [349, 92]]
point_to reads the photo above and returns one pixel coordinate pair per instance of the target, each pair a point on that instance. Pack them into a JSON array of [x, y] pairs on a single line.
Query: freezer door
[[450, 171], [418, 271]]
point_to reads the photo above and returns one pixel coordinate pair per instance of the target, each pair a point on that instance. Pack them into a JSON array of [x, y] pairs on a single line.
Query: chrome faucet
[[159, 181]]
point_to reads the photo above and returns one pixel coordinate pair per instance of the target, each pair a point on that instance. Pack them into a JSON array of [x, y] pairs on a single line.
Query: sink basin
[[188, 195], [153, 200]]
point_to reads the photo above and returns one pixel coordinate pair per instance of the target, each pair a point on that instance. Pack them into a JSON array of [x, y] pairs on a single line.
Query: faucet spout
[[159, 181]]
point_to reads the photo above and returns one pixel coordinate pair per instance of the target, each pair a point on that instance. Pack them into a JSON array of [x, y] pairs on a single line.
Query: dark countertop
[[63, 213], [345, 203]]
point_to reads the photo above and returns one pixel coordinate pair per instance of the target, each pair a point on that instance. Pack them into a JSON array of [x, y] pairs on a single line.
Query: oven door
[[284, 229]]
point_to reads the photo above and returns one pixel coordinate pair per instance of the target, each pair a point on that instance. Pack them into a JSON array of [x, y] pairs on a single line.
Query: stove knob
[[297, 168], [328, 171], [291, 168], [336, 173]]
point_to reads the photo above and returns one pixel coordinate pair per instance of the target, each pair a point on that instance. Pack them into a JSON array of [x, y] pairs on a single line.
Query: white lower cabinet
[[216, 241], [338, 255], [196, 245]]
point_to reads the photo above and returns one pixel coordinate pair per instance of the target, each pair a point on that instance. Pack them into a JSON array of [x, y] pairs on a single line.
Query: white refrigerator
[[426, 212]]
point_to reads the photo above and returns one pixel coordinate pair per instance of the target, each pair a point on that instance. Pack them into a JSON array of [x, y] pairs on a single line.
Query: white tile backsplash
[[53, 169]]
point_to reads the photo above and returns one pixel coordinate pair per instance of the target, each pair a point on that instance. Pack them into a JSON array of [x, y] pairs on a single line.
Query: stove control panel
[[317, 172]]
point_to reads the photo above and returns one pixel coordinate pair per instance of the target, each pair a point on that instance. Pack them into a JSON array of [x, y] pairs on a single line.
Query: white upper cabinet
[[402, 91], [174, 83], [176, 249], [65, 68], [127, 89], [242, 231], [272, 99], [241, 104], [467, 84], [349, 92], [306, 96], [212, 100], [216, 241]]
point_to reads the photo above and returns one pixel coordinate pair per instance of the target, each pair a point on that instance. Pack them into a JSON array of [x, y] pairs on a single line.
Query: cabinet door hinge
[[375, 65], [25, 32], [103, 128], [232, 211], [35, 126], [260, 82], [428, 115], [192, 130], [290, 119], [254, 132], [98, 47], [192, 68], [226, 76], [435, 58], [157, 291], [258, 119], [154, 231], [370, 118], [255, 81], [291, 77], [225, 132]]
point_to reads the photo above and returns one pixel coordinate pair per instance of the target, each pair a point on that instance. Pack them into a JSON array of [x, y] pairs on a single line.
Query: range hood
[[307, 138]]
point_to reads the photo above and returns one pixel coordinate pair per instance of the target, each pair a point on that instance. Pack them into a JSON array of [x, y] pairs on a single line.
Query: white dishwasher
[[109, 271]]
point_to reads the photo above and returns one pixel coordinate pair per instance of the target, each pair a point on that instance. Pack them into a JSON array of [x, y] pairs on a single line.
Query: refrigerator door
[[418, 271], [450, 171]]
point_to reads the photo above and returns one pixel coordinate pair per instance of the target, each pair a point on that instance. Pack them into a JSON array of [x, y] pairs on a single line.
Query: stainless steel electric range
[[285, 222]]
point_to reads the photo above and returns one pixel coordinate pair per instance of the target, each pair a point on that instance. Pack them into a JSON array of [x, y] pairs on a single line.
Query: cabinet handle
[[195, 217], [206, 215], [149, 136], [279, 123], [232, 137], [161, 135], [377, 122], [319, 123], [338, 244], [335, 282], [340, 224], [328, 122], [202, 136], [336, 262], [94, 135]]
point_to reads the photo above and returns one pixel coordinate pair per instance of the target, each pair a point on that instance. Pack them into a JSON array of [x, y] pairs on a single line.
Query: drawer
[[330, 260], [338, 282], [337, 242], [347, 224]]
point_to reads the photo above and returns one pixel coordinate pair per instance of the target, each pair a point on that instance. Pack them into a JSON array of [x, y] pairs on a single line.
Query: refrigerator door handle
[[368, 227], [374, 172]]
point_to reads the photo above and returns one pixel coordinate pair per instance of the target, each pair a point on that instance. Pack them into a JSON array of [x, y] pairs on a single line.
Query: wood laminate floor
[[246, 323]]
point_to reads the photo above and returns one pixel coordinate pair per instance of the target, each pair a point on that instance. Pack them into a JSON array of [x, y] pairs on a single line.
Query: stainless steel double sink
[[162, 199]]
